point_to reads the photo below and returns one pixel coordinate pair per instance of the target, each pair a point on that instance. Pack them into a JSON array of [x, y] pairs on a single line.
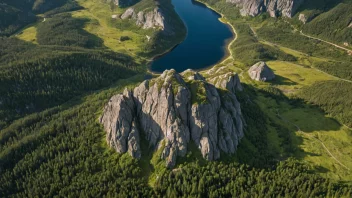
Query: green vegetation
[[339, 69], [285, 36], [198, 92], [66, 31], [332, 96], [15, 14], [249, 51], [12, 19], [61, 152], [231, 180], [331, 21], [302, 131], [57, 75]]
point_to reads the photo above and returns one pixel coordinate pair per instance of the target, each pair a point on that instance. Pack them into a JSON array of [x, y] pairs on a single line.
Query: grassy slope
[[293, 77], [99, 24], [330, 20], [337, 138]]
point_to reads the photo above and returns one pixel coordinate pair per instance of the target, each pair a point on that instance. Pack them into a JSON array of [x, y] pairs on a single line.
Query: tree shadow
[[280, 80]]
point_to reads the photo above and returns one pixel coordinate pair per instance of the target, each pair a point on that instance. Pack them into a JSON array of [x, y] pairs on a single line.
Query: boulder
[[261, 72]]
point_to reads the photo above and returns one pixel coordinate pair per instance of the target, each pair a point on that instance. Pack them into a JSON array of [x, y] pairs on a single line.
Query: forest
[[53, 90], [331, 22], [15, 14], [333, 97], [61, 152]]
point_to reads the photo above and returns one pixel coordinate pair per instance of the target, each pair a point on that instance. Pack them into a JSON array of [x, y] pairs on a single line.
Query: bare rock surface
[[174, 109], [146, 19], [275, 8], [261, 72]]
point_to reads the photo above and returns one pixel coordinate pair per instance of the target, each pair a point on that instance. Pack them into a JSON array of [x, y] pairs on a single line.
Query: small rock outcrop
[[303, 18], [261, 72], [174, 109], [146, 20], [275, 8], [350, 25]]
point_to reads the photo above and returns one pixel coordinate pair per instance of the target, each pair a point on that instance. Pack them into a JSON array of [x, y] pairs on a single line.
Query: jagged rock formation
[[122, 3], [261, 72], [172, 110], [275, 8], [151, 19]]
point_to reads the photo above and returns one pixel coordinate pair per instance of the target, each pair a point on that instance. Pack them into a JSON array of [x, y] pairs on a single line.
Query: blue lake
[[205, 43]]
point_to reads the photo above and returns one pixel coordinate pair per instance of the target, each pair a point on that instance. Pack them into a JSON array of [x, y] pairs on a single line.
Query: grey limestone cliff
[[174, 109], [146, 19], [275, 8]]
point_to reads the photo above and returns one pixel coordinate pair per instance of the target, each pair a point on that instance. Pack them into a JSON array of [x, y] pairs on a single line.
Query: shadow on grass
[[280, 80]]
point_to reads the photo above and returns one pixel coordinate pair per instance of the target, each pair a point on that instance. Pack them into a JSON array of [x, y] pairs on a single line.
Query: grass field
[[316, 129], [315, 138], [99, 15], [29, 34], [291, 77]]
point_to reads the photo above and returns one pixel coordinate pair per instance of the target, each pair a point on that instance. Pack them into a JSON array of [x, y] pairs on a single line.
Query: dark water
[[205, 44]]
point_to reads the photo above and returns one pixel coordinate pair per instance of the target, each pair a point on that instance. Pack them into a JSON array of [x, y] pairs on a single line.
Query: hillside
[[329, 20], [81, 114]]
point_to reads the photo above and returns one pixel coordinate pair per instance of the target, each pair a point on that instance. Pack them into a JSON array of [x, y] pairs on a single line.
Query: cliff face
[[173, 110], [151, 19], [275, 8]]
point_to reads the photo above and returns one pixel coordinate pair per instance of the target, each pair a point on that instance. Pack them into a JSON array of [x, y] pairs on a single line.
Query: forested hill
[[57, 58], [15, 14], [327, 19], [62, 60]]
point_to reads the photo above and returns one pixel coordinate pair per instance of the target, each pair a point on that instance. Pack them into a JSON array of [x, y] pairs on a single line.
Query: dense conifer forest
[[54, 86]]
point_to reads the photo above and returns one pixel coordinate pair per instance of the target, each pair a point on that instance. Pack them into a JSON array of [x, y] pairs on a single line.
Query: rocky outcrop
[[275, 8], [146, 19], [350, 25], [303, 18], [306, 18], [174, 109], [261, 72]]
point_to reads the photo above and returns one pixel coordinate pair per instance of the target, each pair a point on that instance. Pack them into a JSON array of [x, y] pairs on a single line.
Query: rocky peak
[[261, 72], [275, 8], [174, 109], [146, 19]]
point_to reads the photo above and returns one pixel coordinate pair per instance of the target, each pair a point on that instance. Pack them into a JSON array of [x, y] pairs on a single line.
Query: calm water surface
[[206, 40]]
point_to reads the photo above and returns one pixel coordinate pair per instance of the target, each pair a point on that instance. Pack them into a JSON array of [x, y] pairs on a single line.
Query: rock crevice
[[172, 110]]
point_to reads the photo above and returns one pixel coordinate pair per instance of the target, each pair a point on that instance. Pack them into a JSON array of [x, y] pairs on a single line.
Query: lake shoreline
[[226, 46]]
